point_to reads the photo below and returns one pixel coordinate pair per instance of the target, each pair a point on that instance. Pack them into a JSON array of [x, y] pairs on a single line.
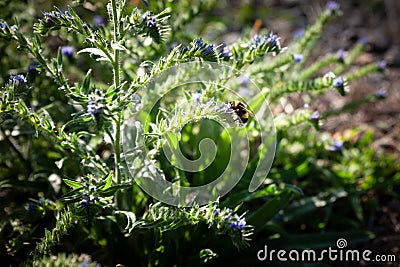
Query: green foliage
[[68, 180]]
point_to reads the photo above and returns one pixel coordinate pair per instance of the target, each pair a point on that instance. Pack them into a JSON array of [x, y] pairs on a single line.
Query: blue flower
[[198, 43], [84, 203], [197, 96], [33, 68], [297, 34], [338, 82], [48, 17], [14, 28], [381, 93], [340, 55], [4, 25], [17, 80], [149, 20], [67, 51], [98, 20], [336, 146], [279, 217], [363, 40], [225, 51], [92, 188], [298, 58], [94, 108], [315, 116], [209, 49], [237, 223], [332, 5], [185, 49], [381, 65], [257, 39], [95, 105], [40, 202], [31, 208], [216, 212], [270, 39]]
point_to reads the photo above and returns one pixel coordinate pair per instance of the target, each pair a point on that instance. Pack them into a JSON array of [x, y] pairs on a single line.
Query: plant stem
[[117, 145]]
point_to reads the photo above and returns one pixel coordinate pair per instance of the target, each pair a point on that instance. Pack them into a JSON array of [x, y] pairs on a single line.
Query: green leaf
[[71, 183], [173, 139], [108, 181], [95, 51], [267, 211], [130, 217], [59, 60], [86, 83]]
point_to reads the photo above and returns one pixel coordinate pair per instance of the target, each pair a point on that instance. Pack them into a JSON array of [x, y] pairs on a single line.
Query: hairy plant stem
[[116, 70]]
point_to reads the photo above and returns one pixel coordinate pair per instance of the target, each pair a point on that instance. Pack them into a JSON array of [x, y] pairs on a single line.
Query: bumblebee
[[241, 110]]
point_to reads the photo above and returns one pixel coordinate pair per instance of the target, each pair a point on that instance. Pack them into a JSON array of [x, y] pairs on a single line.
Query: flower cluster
[[87, 199], [149, 19], [201, 49], [7, 32], [234, 221], [268, 40], [17, 80], [95, 104], [53, 20]]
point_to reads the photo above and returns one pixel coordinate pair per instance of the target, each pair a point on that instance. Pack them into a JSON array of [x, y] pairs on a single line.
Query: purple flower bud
[[3, 25], [33, 68], [14, 28], [225, 51], [238, 224], [98, 21], [31, 208], [92, 188], [198, 43], [67, 51], [297, 34], [257, 39], [84, 203], [340, 54], [338, 82], [336, 146], [381, 93], [197, 96], [363, 40], [332, 5], [382, 65], [270, 39], [298, 58], [315, 116]]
